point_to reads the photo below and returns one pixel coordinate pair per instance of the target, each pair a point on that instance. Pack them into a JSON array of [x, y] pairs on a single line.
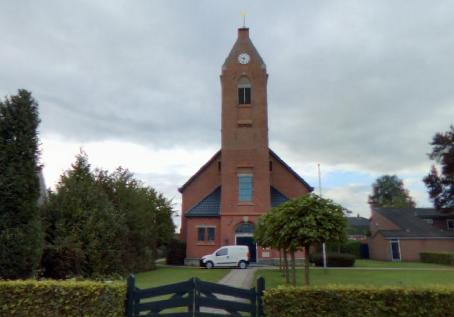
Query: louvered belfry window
[[244, 91]]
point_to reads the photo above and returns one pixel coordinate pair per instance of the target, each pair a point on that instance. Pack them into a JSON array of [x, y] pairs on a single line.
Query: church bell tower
[[245, 176], [223, 200]]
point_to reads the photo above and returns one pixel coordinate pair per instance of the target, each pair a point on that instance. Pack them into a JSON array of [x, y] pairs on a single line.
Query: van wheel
[[242, 265], [209, 265]]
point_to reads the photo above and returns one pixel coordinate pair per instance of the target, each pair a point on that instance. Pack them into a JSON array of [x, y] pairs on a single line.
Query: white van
[[229, 255]]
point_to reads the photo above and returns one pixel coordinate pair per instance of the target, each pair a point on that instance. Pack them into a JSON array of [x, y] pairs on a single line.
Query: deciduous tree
[[389, 191], [300, 223]]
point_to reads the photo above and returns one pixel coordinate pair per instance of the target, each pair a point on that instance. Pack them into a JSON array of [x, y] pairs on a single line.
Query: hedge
[[62, 298], [333, 259], [446, 258], [334, 301]]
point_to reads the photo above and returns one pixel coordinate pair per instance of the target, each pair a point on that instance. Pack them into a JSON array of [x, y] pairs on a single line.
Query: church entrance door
[[250, 242]]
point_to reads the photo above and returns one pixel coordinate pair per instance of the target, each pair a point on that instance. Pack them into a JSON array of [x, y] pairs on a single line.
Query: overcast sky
[[357, 86]]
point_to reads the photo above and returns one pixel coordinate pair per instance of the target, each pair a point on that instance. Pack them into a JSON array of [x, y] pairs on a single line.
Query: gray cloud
[[363, 83]]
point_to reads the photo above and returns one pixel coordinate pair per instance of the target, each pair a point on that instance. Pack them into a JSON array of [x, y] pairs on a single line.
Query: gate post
[[260, 289], [196, 296], [130, 296], [191, 295]]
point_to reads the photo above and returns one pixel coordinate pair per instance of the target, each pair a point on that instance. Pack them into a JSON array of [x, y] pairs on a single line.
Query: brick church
[[245, 178]]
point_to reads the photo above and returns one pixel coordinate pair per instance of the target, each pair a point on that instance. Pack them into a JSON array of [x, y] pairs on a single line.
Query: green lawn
[[167, 275], [387, 264], [366, 277]]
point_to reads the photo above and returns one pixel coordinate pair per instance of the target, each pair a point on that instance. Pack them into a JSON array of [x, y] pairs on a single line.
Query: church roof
[[272, 153], [213, 158], [277, 197], [210, 206], [298, 177]]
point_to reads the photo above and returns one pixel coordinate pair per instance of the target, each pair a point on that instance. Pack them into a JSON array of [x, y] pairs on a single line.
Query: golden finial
[[243, 14]]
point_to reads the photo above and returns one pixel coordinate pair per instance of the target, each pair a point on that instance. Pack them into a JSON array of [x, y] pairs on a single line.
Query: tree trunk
[[280, 260], [287, 279], [306, 265], [292, 254]]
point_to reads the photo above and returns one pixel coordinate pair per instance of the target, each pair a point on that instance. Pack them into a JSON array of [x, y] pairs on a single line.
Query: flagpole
[[320, 193]]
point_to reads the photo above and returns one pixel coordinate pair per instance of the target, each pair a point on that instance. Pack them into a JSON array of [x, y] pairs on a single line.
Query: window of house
[[206, 234], [395, 250], [450, 223], [201, 234], [245, 187], [244, 91], [210, 233]]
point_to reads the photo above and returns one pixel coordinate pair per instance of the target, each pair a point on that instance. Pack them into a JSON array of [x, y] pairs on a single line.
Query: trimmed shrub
[[176, 252], [446, 258], [333, 259], [334, 301], [350, 246], [61, 298]]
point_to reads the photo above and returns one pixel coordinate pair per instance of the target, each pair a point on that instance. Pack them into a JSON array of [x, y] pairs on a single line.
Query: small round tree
[[302, 222]]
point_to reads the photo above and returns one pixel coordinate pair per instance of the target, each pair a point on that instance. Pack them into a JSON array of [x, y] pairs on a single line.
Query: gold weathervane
[[243, 14]]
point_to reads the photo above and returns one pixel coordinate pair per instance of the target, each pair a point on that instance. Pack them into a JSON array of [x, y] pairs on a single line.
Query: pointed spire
[[243, 44]]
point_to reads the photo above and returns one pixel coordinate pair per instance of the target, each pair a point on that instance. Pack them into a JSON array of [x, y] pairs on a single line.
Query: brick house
[[222, 201], [357, 228], [399, 234]]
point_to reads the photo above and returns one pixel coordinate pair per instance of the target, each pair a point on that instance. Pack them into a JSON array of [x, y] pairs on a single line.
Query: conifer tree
[[20, 225], [441, 185], [84, 233]]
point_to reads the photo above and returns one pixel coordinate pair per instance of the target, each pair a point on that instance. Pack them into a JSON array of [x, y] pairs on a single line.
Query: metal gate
[[194, 298]]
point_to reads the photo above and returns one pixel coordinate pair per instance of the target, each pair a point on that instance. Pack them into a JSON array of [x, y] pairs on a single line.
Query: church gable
[[210, 206], [284, 179], [202, 183]]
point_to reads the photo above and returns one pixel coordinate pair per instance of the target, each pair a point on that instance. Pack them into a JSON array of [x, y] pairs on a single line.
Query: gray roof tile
[[410, 225], [277, 197], [210, 206]]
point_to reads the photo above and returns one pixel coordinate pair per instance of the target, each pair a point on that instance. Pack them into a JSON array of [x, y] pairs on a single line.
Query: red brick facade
[[244, 152], [408, 233]]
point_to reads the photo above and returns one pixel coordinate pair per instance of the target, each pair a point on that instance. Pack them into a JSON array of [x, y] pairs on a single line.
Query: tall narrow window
[[244, 91], [211, 232], [201, 234], [245, 187]]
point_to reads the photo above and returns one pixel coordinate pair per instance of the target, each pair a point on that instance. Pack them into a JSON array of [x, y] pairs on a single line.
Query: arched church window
[[245, 228], [244, 91]]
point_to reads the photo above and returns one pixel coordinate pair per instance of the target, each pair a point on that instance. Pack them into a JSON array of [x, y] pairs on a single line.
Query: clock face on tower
[[244, 58]]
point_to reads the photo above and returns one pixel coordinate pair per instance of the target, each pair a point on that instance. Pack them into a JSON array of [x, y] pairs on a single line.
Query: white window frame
[[391, 250]]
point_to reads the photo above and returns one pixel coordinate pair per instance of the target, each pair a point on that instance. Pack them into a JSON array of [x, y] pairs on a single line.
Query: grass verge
[[387, 264], [402, 278]]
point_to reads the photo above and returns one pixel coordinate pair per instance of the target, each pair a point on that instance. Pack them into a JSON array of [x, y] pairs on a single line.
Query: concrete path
[[235, 278], [239, 278]]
